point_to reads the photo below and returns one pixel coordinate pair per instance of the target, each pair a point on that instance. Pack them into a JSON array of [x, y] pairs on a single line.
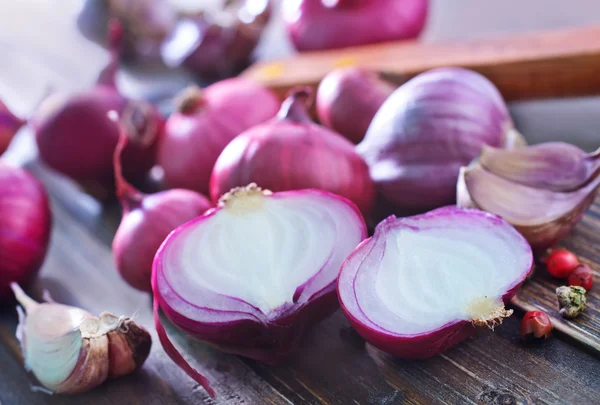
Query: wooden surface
[[526, 66], [333, 365]]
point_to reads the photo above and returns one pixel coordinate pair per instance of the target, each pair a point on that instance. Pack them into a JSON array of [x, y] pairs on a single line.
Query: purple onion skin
[[348, 99], [313, 25], [76, 137], [147, 221], [430, 343], [9, 126], [426, 130], [25, 225], [193, 140]]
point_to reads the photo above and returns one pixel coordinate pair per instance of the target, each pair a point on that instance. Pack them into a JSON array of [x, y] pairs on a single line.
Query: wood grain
[[333, 365], [526, 66]]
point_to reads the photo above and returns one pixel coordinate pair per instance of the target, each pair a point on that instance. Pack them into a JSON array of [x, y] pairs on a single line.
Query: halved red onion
[[422, 284], [252, 274]]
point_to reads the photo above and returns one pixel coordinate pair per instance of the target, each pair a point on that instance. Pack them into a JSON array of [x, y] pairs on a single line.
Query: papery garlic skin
[[69, 350], [533, 195]]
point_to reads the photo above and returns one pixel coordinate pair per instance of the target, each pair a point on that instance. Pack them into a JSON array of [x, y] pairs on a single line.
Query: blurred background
[[44, 47]]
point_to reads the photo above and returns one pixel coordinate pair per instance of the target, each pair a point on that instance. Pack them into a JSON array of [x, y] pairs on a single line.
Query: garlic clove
[[555, 166], [542, 216], [128, 345]]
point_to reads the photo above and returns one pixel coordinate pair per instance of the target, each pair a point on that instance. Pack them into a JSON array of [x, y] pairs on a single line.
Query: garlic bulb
[[542, 190], [69, 350]]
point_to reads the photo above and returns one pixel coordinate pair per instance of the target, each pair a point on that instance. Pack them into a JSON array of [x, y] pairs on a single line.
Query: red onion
[[251, 275], [291, 152], [217, 43], [348, 99], [25, 222], [421, 284], [76, 137], [9, 126], [426, 130], [206, 121], [147, 221], [328, 24]]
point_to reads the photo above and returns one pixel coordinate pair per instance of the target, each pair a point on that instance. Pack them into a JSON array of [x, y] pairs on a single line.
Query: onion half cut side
[[422, 284], [252, 274]]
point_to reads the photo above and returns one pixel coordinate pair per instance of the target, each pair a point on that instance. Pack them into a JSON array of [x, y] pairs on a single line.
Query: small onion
[[348, 99], [422, 284], [327, 24], [426, 130], [542, 190], [251, 275], [147, 221], [291, 152], [76, 138], [204, 123], [25, 222], [9, 126]]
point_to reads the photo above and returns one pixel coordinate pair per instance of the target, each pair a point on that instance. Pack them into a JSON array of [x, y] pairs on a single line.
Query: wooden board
[[333, 365], [526, 66]]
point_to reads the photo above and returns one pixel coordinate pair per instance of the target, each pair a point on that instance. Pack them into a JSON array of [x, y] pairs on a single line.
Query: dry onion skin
[[251, 275], [422, 284], [542, 190]]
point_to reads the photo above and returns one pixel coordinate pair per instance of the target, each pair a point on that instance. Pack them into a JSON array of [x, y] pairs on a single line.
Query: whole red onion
[[348, 99], [422, 284], [25, 222], [147, 220], [250, 276], [75, 136], [9, 126], [426, 130], [204, 123], [328, 24], [217, 43], [291, 152]]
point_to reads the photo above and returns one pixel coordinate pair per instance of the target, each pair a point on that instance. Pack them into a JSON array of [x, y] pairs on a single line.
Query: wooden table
[[333, 366]]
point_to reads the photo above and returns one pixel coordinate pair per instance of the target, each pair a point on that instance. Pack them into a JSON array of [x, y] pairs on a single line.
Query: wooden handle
[[527, 66]]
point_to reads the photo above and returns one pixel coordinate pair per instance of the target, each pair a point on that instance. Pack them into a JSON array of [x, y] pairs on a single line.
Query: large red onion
[[422, 284], [348, 99], [250, 276], [204, 123], [327, 24], [219, 42], [75, 136], [147, 221], [9, 126], [426, 130], [291, 152], [25, 222]]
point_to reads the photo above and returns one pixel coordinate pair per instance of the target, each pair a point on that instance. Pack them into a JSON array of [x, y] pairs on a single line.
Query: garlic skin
[[542, 190], [70, 351]]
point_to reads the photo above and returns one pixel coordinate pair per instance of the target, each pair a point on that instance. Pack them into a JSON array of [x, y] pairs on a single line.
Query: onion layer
[[291, 152], [251, 275], [426, 130], [25, 222], [421, 284], [327, 24], [206, 121]]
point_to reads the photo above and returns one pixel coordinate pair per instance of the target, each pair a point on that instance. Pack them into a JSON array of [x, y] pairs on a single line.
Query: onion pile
[[291, 152], [9, 126], [204, 123], [426, 130], [25, 222], [422, 284], [328, 24], [542, 190], [251, 275], [348, 99], [147, 221], [76, 138]]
